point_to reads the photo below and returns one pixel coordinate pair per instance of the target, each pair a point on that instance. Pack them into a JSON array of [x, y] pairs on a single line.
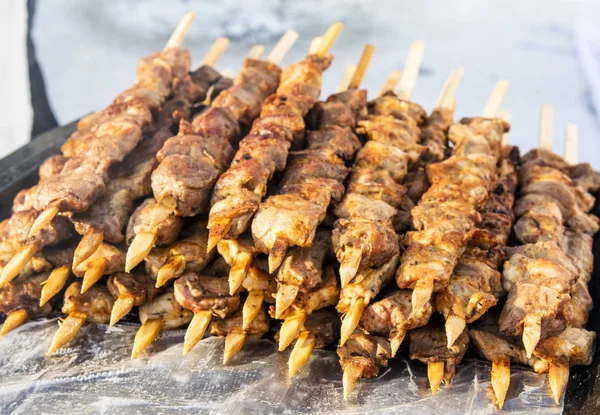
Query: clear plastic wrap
[[96, 375]]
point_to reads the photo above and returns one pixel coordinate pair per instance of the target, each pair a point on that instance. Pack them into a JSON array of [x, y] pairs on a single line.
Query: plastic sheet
[[96, 375]]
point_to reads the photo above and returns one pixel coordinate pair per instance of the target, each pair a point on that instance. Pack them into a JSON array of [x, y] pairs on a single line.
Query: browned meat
[[493, 347], [198, 292], [576, 345], [393, 314], [578, 246], [258, 328], [137, 285], [191, 247], [114, 257], [429, 344], [313, 180], [24, 294], [370, 353], [303, 267], [325, 325], [265, 148], [142, 218], [96, 303], [447, 213], [475, 285], [209, 149], [166, 309]]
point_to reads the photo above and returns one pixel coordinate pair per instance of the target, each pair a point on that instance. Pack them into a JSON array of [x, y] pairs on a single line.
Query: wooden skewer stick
[[256, 51], [196, 330], [532, 331], [13, 320], [396, 339], [411, 70], [174, 41], [122, 306], [435, 374], [173, 268], [277, 253], [145, 336], [290, 329], [571, 147], [391, 82], [346, 77], [545, 137], [94, 272], [314, 45], [349, 264], [90, 242], [239, 258], [438, 101], [506, 117], [351, 319], [67, 330], [285, 297], [283, 46], [495, 102], [42, 220], [351, 376], [446, 99], [17, 263], [139, 249], [252, 307], [361, 68], [301, 352], [216, 51], [55, 282], [455, 325], [234, 341], [328, 39], [180, 31], [421, 295], [558, 377], [500, 380]]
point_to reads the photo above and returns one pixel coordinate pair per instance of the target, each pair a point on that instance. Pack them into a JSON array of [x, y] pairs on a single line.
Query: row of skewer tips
[[241, 260]]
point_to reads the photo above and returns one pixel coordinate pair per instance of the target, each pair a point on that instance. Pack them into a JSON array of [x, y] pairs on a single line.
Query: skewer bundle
[[313, 213]]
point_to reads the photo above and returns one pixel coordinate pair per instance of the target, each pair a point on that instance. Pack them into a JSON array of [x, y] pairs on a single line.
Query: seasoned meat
[[96, 303], [142, 218], [370, 353], [167, 309], [24, 294], [198, 292], [137, 285]]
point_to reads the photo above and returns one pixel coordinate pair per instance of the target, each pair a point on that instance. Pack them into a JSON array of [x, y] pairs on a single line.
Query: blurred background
[[87, 52]]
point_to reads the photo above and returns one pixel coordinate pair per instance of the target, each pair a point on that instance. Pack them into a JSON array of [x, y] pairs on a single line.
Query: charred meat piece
[[96, 303], [24, 294], [369, 353], [137, 285], [429, 344], [198, 292], [166, 309], [256, 329], [264, 150]]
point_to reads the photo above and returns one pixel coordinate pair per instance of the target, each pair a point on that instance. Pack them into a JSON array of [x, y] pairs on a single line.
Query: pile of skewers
[[226, 205]]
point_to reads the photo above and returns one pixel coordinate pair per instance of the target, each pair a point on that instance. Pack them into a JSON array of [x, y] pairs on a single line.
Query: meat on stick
[[419, 275], [201, 317], [391, 82], [106, 218], [476, 282], [175, 262], [239, 256], [349, 255], [355, 295], [234, 202], [301, 205], [168, 206], [22, 257]]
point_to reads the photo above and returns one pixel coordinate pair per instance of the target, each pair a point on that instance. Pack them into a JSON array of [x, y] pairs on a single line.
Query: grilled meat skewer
[[103, 139], [178, 187], [240, 189]]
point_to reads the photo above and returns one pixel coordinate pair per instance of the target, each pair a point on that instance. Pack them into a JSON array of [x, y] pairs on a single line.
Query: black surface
[[19, 170]]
